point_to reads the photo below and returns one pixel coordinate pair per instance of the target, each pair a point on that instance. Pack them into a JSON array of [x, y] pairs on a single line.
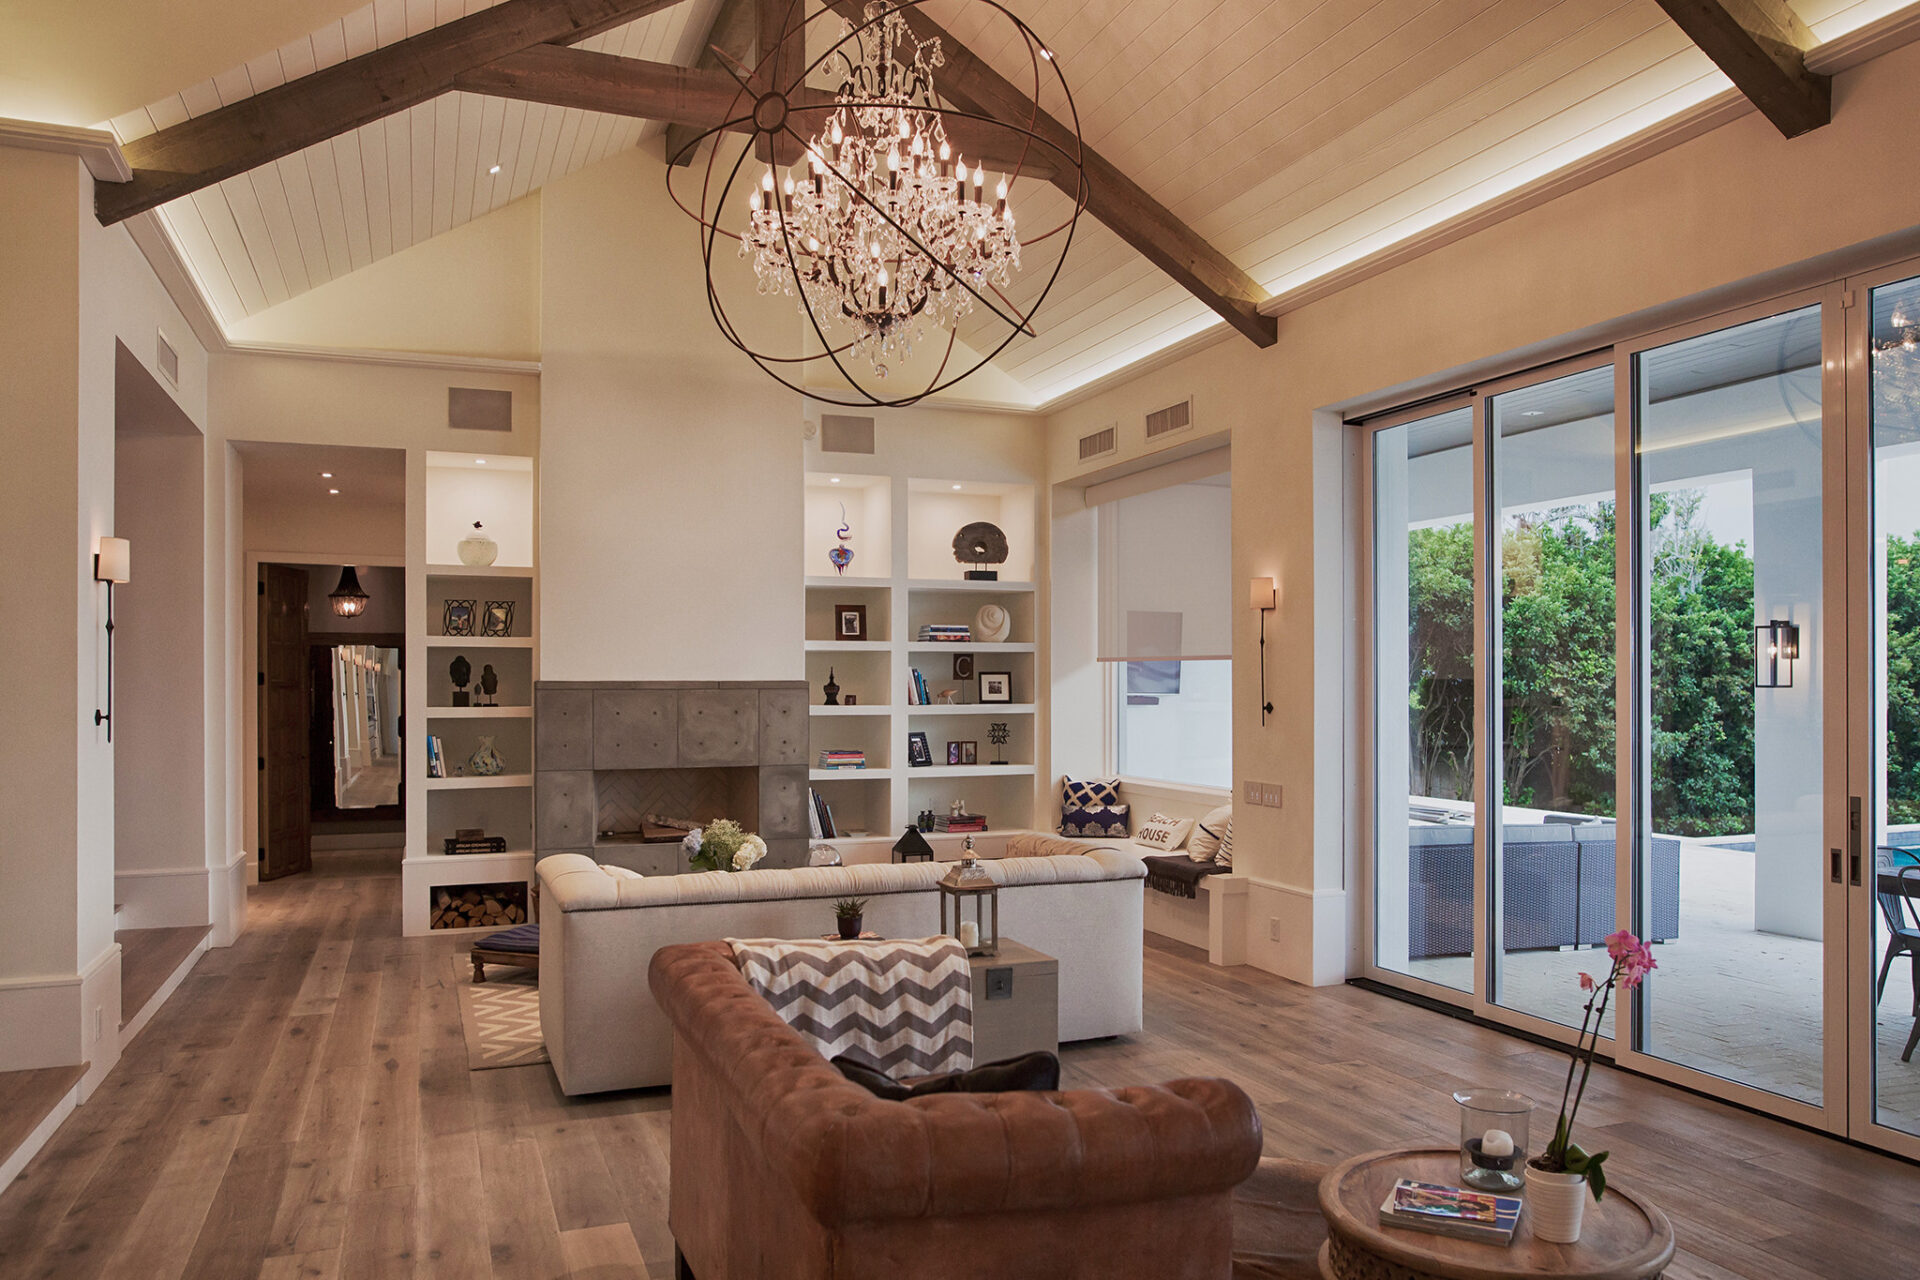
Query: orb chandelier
[[883, 228]]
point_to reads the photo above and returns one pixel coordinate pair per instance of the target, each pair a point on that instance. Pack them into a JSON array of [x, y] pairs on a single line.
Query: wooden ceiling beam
[[732, 34], [782, 48], [244, 135], [1762, 46], [1121, 204]]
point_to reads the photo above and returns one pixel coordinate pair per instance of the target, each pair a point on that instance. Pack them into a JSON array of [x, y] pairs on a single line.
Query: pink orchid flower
[[1586, 982]]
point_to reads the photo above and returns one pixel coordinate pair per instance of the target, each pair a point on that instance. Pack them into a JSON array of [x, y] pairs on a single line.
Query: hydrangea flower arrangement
[[721, 845]]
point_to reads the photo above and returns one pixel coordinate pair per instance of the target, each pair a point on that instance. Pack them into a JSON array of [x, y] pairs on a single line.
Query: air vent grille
[[1175, 417], [166, 358], [1100, 443], [479, 409], [844, 433]]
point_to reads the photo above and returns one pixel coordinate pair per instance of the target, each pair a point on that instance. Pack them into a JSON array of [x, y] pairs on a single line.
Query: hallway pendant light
[[349, 601]]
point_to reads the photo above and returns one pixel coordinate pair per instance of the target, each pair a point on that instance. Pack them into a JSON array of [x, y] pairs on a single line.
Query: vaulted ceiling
[[1293, 136]]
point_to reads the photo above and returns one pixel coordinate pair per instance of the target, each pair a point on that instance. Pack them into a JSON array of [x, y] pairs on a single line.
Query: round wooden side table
[[1622, 1238]]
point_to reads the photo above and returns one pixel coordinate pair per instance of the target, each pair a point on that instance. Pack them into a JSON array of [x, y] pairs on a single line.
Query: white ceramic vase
[[477, 549], [1556, 1202]]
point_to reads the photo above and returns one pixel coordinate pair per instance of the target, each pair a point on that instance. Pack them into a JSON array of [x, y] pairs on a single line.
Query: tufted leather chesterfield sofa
[[782, 1168]]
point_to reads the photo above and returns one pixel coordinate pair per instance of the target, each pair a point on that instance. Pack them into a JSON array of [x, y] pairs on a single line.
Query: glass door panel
[[1731, 863], [1552, 811], [1894, 935], [1423, 703]]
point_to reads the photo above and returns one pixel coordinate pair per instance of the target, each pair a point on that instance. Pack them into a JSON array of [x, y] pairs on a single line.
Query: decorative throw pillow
[[1088, 793], [1105, 822], [1225, 854], [1163, 834], [1204, 843], [1036, 1072]]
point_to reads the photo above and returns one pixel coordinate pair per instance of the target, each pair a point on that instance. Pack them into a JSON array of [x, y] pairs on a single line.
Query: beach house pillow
[[1204, 843], [1224, 855], [1099, 821], [1163, 834]]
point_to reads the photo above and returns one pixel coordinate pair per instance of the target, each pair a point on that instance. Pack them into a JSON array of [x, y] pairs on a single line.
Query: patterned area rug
[[500, 1017]]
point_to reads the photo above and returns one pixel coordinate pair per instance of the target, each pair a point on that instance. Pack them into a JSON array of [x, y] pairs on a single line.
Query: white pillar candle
[[970, 937], [1496, 1142]]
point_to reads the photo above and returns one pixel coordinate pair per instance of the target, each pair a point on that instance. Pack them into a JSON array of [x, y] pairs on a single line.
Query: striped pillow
[[1225, 856], [1204, 843]]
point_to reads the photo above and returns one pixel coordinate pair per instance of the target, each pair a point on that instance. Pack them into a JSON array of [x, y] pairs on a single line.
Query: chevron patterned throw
[[906, 1005]]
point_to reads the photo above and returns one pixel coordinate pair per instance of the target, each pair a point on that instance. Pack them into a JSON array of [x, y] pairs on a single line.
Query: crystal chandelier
[[883, 210], [1896, 376], [875, 222]]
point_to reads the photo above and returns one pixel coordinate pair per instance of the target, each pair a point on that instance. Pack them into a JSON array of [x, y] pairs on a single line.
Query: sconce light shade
[[349, 601], [114, 561], [1776, 644], [1263, 593]]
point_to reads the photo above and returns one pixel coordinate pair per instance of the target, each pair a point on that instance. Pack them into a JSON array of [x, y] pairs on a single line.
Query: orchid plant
[[722, 845], [1632, 962]]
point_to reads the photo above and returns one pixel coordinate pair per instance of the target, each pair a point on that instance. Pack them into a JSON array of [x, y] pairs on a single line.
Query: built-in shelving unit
[[500, 492], [903, 574]]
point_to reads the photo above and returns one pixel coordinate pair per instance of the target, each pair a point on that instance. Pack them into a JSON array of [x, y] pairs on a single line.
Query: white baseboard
[[1297, 933], [162, 897], [145, 1014], [41, 1135]]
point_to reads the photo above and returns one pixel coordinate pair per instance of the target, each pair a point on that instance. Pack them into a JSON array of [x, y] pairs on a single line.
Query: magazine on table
[[1451, 1211]]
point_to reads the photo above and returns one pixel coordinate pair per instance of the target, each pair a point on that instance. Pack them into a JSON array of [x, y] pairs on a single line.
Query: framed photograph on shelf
[[996, 686], [919, 752], [969, 753], [953, 753], [850, 622], [457, 619], [498, 618]]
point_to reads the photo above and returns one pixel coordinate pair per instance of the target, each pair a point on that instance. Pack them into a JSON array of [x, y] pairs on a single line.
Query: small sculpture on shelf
[[993, 624], [980, 544], [831, 690], [840, 554], [489, 684], [998, 734], [462, 672]]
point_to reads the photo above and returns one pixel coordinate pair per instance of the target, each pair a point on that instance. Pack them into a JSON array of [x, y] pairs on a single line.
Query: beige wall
[[1725, 207]]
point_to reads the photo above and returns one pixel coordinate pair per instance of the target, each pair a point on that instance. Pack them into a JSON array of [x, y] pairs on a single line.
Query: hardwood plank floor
[[148, 958], [29, 1097], [301, 1108]]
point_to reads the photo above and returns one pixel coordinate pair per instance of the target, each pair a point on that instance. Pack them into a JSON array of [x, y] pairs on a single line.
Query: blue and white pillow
[[1092, 791], [1099, 821]]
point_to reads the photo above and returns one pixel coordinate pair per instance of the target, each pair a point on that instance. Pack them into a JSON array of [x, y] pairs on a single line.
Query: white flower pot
[[1555, 1204]]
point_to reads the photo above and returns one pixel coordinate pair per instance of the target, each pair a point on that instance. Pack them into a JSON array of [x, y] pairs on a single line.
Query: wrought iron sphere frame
[[765, 114]]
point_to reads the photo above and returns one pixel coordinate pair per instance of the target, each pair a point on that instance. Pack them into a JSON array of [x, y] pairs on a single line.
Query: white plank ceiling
[[1295, 135]]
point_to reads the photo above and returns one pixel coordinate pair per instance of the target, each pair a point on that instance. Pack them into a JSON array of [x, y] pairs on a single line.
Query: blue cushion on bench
[[522, 938]]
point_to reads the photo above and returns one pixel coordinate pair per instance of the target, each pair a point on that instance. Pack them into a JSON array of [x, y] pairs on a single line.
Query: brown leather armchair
[[782, 1168]]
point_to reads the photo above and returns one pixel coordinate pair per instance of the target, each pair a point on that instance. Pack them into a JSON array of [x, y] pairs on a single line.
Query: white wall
[[1723, 208], [670, 489]]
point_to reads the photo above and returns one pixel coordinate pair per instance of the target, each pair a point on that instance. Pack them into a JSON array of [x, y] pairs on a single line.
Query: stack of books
[[967, 822], [962, 634], [470, 843], [820, 817], [1451, 1211], [832, 759]]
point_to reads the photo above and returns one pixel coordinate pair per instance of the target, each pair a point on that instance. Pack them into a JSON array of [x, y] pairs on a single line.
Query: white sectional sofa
[[598, 933]]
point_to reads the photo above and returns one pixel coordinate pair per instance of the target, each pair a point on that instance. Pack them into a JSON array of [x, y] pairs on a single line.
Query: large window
[[1166, 626]]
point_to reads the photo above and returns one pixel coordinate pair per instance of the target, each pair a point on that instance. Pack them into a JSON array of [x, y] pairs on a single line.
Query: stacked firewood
[[473, 909]]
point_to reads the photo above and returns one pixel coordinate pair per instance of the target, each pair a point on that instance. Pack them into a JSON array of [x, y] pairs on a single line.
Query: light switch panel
[[1252, 790]]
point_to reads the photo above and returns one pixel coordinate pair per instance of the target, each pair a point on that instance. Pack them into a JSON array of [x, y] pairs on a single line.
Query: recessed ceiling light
[[834, 480], [479, 462], [326, 475], [956, 486], [333, 491], [495, 169]]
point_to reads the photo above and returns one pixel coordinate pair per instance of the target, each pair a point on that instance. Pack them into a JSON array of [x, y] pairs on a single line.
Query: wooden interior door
[[286, 809]]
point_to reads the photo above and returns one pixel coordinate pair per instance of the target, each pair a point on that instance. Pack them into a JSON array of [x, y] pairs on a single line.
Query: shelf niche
[[865, 505], [938, 509]]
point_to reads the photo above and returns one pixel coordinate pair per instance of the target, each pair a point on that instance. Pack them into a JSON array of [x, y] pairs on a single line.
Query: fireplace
[[617, 763]]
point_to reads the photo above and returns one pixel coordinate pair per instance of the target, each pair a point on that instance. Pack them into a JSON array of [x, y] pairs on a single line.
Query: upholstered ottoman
[[518, 946]]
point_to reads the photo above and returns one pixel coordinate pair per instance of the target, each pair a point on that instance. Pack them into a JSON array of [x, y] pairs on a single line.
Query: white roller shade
[[1166, 570]]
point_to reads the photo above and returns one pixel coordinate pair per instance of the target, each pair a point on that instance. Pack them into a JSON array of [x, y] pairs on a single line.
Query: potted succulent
[[851, 914], [1560, 1176], [722, 845]]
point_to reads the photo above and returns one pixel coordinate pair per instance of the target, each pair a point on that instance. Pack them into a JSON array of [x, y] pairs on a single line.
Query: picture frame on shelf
[[457, 618], [953, 753], [850, 622], [996, 686], [919, 751], [969, 753], [497, 620]]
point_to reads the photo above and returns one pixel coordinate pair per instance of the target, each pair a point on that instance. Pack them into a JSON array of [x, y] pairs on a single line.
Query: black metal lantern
[[968, 889], [913, 847], [1776, 644], [349, 601]]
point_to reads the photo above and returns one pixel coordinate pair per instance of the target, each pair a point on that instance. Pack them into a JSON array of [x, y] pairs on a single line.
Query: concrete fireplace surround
[[605, 752]]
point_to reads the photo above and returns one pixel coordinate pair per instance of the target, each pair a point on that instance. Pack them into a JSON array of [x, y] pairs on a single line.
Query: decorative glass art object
[[841, 554], [477, 549], [485, 762], [980, 544]]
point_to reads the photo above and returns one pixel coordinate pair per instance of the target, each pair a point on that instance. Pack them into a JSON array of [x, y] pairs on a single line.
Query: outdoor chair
[[1902, 918]]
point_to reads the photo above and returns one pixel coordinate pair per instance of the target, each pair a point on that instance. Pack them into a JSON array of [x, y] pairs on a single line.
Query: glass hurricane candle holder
[[1493, 1139]]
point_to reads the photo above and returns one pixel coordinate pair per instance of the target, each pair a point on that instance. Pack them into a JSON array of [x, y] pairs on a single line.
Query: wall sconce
[[349, 601], [112, 563], [1775, 646], [1263, 596]]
